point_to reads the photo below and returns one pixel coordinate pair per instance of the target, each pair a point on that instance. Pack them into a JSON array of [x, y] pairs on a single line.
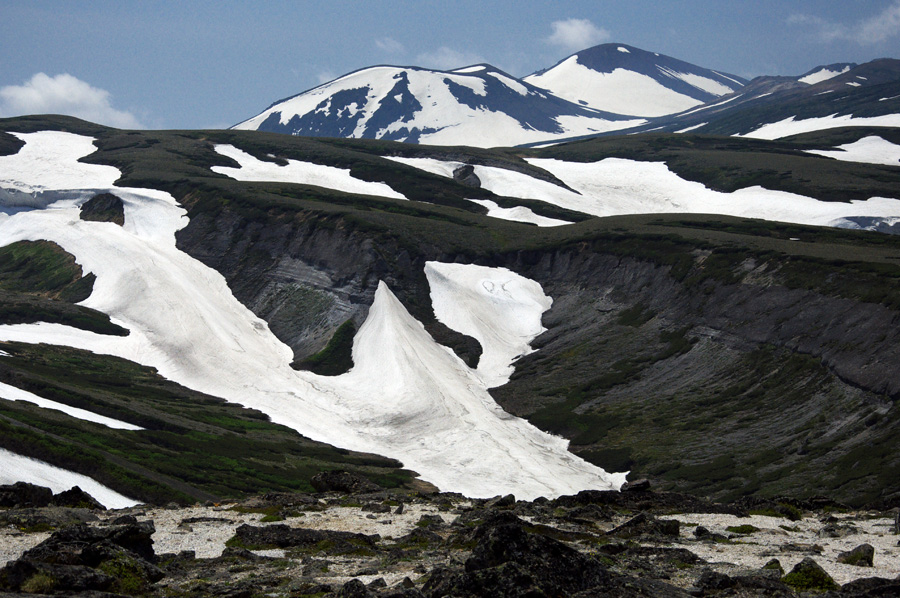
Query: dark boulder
[[77, 498], [23, 494], [343, 481], [644, 524], [104, 207], [861, 556], [465, 175], [808, 575], [282, 536]]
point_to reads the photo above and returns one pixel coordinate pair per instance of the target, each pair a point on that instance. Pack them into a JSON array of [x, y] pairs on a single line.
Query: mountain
[[486, 321], [626, 80], [774, 107], [478, 106]]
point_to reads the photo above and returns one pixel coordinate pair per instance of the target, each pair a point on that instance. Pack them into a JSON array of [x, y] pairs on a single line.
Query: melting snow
[[496, 307], [11, 393], [302, 173], [691, 128], [789, 126], [17, 468], [615, 186], [821, 75], [621, 91], [406, 397], [518, 214], [872, 149]]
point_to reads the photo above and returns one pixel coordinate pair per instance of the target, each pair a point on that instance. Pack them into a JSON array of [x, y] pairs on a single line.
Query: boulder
[[282, 536], [861, 556], [23, 494], [343, 481], [644, 524], [77, 498], [808, 575]]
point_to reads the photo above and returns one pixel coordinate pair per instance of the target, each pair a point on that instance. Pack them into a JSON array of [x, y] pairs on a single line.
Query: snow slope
[[17, 468], [11, 393], [615, 186], [872, 149], [302, 173], [789, 126], [406, 397], [496, 307], [627, 80], [446, 169], [824, 73], [476, 106]]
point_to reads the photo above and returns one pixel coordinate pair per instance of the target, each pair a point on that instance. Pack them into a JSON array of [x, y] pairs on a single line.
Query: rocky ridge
[[375, 543]]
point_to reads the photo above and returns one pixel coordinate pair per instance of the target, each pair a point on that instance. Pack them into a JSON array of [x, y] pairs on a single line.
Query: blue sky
[[212, 63]]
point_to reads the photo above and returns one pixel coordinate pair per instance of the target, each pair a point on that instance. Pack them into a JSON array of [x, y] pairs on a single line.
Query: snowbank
[[16, 468]]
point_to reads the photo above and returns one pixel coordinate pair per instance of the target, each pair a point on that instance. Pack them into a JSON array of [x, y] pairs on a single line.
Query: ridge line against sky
[[213, 63]]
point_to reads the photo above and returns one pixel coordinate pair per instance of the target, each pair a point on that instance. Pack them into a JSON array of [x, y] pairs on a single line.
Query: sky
[[195, 64]]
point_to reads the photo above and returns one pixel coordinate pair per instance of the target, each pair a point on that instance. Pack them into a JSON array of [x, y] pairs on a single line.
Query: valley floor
[[389, 543]]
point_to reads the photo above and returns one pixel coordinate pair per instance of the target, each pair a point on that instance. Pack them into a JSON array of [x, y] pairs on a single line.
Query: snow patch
[[822, 75], [518, 214], [16, 468], [301, 173], [495, 306], [872, 149], [625, 50], [691, 128], [789, 126], [11, 393]]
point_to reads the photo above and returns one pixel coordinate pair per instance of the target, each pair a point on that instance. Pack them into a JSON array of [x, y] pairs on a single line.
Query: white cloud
[[389, 45], [325, 76], [576, 34], [872, 30], [64, 94], [446, 59]]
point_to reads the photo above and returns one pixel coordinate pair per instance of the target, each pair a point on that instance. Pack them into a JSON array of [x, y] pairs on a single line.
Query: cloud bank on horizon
[[64, 94]]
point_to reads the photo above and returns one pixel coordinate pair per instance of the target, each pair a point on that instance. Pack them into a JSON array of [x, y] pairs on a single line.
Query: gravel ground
[[790, 546]]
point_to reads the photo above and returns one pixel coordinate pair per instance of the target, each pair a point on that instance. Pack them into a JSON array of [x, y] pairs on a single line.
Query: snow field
[[11, 393], [17, 468], [790, 126], [302, 173], [406, 397], [516, 214], [615, 186], [822, 74], [496, 307], [872, 149], [621, 91]]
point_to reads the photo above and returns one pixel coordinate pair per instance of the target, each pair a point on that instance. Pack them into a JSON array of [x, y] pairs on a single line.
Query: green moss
[[810, 580], [128, 575], [40, 583], [336, 358]]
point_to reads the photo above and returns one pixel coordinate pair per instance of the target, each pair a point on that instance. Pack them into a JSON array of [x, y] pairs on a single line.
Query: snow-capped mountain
[[478, 106], [627, 80], [827, 97]]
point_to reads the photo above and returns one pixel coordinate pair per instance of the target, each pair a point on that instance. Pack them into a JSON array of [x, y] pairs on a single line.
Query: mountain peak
[[623, 79]]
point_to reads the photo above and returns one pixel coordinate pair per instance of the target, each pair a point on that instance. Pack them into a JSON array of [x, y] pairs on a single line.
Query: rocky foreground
[[353, 539]]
